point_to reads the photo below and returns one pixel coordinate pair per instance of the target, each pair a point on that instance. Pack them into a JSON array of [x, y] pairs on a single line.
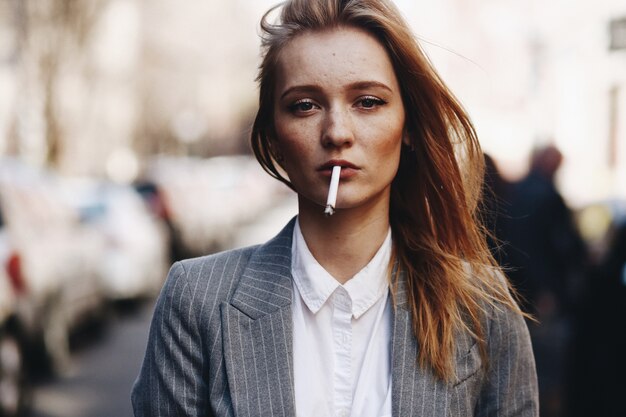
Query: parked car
[[57, 259], [134, 259], [206, 200], [12, 372]]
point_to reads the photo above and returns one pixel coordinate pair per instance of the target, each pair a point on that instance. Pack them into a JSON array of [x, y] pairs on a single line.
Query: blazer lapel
[[416, 391], [257, 333]]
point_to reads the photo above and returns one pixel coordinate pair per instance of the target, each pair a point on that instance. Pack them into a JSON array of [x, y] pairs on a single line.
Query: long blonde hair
[[438, 237]]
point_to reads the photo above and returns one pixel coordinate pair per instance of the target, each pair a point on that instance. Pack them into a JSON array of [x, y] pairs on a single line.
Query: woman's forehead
[[334, 57]]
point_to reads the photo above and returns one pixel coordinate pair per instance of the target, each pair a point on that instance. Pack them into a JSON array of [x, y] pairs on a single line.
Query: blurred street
[[102, 372], [106, 361]]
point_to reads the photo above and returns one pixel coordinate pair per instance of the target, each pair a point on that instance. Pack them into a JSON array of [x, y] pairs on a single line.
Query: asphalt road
[[105, 363], [102, 372]]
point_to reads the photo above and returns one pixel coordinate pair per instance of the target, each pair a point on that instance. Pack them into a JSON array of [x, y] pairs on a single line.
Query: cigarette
[[332, 191]]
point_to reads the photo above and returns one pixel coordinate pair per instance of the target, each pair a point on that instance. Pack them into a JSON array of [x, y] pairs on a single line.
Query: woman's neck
[[345, 242]]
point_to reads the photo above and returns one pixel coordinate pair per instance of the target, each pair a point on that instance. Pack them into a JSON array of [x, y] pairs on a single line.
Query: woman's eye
[[302, 106], [370, 102]]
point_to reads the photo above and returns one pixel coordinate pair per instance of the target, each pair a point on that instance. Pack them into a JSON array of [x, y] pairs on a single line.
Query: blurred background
[[123, 147]]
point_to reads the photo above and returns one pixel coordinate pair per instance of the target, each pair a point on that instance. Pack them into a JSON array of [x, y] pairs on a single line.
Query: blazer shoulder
[[203, 284], [205, 266], [210, 279]]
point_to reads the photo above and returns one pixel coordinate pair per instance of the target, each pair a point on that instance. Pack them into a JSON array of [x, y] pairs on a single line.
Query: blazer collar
[[257, 333], [400, 297], [266, 283], [415, 390]]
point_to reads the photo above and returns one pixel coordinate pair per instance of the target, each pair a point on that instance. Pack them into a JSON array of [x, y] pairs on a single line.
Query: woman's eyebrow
[[364, 85], [358, 85], [300, 89]]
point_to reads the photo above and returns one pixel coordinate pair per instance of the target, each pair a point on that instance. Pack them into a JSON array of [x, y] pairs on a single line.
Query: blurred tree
[[52, 34]]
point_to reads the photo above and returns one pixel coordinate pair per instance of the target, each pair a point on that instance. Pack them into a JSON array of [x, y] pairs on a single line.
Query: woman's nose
[[338, 129]]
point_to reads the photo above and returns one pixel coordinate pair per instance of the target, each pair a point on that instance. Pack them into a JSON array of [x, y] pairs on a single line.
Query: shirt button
[[344, 412]]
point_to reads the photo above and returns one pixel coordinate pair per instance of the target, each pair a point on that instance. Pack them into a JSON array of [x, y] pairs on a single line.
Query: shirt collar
[[316, 285]]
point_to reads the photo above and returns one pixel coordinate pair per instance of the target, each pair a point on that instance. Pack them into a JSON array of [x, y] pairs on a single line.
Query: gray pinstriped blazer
[[220, 344]]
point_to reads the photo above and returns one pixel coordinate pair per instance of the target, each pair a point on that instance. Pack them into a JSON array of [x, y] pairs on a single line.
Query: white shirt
[[341, 337]]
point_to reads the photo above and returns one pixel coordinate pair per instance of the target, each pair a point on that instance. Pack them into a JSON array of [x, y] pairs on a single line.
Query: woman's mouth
[[348, 169]]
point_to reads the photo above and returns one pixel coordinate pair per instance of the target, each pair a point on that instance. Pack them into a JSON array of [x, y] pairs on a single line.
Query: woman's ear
[[406, 139]]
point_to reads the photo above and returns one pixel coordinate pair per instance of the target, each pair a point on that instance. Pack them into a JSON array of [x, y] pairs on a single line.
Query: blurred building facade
[[93, 87], [532, 73]]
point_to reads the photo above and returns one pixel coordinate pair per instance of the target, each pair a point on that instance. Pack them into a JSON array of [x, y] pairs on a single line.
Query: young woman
[[392, 306]]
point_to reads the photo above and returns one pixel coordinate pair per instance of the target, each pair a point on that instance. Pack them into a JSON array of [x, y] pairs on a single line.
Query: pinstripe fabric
[[220, 344]]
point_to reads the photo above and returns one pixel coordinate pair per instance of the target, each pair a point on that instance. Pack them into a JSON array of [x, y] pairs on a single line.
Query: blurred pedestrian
[[382, 301], [546, 260], [598, 361], [546, 253]]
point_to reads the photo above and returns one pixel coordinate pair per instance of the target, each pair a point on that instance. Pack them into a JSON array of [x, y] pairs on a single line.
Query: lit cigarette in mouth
[[332, 191]]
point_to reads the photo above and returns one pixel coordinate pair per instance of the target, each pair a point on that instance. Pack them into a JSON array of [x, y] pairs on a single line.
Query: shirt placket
[[342, 338]]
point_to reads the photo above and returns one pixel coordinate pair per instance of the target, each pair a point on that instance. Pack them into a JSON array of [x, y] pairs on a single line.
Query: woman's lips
[[345, 172], [348, 169], [337, 162]]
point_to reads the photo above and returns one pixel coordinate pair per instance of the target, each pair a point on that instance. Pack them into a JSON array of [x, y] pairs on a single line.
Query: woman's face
[[338, 102]]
